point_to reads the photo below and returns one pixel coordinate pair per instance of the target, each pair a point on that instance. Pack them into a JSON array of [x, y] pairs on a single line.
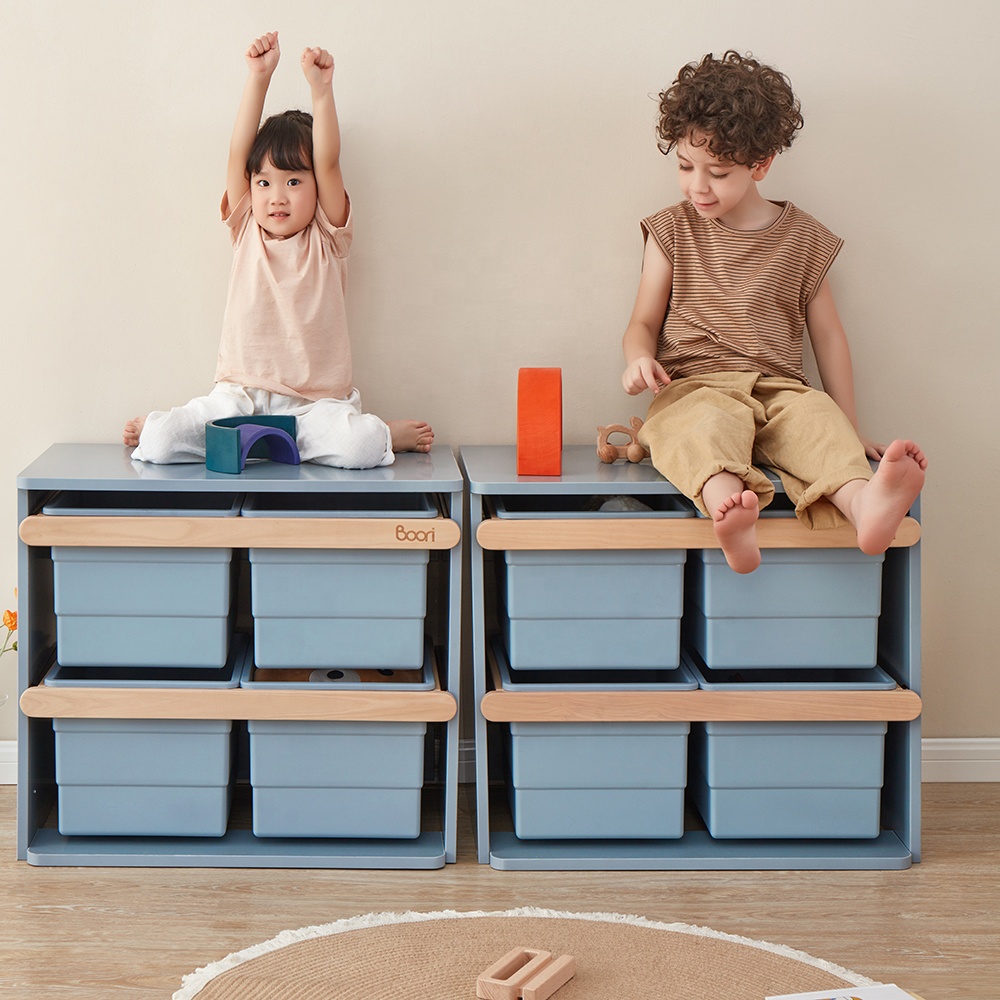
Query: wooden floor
[[105, 934]]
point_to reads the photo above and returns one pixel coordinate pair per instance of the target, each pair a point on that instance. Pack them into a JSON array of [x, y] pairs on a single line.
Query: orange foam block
[[539, 421]]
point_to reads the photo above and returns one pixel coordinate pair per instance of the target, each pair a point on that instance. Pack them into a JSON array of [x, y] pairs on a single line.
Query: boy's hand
[[317, 65], [642, 374], [872, 448], [263, 54]]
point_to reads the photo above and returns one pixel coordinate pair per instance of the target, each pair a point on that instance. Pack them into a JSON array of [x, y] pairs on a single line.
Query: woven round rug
[[439, 956]]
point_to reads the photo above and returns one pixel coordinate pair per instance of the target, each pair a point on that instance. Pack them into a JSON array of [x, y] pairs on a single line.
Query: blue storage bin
[[144, 777], [145, 606], [620, 780], [789, 780], [591, 609], [800, 608], [337, 779], [339, 607], [614, 780]]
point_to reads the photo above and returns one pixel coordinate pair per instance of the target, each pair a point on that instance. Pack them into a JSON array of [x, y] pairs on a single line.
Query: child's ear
[[759, 171]]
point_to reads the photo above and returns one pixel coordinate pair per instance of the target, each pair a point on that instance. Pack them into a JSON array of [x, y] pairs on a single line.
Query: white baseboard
[[941, 760], [8, 762], [960, 760], [466, 762]]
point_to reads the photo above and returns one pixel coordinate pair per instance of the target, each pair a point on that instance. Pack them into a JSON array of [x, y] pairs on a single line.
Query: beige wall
[[500, 155]]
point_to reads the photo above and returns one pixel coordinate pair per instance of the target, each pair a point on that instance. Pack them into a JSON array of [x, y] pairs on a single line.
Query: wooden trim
[[240, 532], [674, 533], [898, 705], [44, 702]]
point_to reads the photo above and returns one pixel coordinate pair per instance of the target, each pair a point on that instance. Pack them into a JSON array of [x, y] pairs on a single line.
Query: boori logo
[[404, 534]]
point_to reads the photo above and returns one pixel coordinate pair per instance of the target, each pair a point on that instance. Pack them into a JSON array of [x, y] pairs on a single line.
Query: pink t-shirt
[[285, 326]]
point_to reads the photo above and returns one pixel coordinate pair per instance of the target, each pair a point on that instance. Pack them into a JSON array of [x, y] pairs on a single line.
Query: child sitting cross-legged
[[730, 281], [285, 348]]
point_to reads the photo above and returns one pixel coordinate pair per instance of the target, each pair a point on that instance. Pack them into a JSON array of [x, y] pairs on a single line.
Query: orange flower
[[10, 620]]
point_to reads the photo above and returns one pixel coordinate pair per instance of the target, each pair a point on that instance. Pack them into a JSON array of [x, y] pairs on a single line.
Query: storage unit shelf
[[696, 850], [237, 849]]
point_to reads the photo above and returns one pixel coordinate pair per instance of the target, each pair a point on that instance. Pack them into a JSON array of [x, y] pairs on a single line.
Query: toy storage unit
[[838, 702], [180, 722]]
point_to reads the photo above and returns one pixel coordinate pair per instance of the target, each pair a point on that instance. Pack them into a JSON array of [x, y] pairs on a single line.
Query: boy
[[285, 347], [729, 282]]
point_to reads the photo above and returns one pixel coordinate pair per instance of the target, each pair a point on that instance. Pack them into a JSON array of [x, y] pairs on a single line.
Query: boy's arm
[[833, 358], [317, 65], [262, 57], [642, 370]]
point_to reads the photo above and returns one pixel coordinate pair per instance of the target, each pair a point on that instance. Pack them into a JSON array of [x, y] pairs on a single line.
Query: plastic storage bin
[[142, 607], [591, 609], [144, 777], [789, 779], [339, 607], [606, 780], [800, 608], [337, 779]]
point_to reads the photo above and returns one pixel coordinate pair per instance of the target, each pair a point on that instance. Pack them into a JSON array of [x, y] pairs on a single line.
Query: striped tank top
[[738, 300]]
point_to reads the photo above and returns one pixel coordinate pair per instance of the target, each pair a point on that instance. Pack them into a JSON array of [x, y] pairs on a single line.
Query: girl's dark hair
[[746, 110], [285, 140]]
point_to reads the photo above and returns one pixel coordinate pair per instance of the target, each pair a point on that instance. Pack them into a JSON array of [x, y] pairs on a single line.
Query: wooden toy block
[[539, 422], [525, 974], [231, 441], [610, 453]]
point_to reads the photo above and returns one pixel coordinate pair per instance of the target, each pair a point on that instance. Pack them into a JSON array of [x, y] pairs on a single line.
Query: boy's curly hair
[[284, 139], [746, 110]]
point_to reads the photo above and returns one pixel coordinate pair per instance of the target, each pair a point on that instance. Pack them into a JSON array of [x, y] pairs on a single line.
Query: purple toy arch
[[281, 445]]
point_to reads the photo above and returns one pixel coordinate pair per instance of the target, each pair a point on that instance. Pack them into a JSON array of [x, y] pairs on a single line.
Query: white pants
[[330, 431]]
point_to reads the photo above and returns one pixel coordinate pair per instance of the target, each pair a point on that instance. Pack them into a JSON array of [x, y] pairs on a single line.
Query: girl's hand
[[642, 374], [317, 65], [263, 54]]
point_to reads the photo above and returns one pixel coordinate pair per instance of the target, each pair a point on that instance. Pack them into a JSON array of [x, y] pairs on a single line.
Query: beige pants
[[732, 421]]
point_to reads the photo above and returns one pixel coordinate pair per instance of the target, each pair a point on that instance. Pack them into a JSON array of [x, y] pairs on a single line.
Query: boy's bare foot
[[133, 428], [411, 435], [883, 502], [736, 528]]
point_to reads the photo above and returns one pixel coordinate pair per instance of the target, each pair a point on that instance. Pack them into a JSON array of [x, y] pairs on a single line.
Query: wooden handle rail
[[47, 702], [241, 532], [321, 704], [896, 705], [664, 533]]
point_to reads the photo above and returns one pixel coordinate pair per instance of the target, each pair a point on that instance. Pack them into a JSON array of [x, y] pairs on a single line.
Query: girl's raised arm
[[317, 65], [262, 58]]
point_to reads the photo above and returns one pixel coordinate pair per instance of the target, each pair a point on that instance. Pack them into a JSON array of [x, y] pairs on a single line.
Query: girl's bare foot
[[883, 502], [133, 428], [411, 435], [736, 529]]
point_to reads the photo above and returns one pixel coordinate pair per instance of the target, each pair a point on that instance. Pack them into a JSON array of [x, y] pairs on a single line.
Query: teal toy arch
[[230, 442]]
